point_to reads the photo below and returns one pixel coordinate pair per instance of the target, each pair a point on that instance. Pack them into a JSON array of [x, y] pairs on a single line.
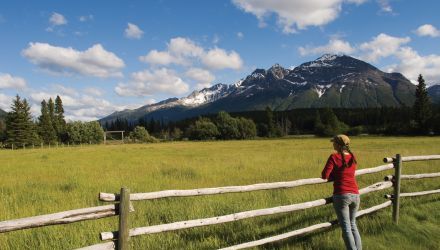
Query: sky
[[106, 56]]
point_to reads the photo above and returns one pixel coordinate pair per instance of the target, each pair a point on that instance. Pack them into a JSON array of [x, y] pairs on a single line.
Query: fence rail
[[124, 206], [233, 189], [303, 230], [238, 216]]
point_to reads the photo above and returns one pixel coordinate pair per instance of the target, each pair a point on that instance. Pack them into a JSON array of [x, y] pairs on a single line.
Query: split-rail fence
[[123, 207]]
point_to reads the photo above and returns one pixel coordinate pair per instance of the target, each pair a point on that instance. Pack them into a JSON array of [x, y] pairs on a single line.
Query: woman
[[340, 169]]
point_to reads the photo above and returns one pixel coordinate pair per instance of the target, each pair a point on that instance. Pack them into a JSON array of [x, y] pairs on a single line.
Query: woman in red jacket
[[340, 169]]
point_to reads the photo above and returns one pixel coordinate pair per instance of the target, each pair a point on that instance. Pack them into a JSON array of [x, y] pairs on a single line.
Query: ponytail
[[341, 152]]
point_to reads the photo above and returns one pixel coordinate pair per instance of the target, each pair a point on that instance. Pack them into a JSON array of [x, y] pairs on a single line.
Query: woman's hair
[[344, 147], [341, 151]]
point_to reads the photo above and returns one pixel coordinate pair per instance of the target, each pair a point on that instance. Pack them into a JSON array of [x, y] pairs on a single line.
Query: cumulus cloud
[[133, 31], [144, 83], [8, 81], [294, 14], [77, 105], [203, 77], [334, 46], [382, 46], [57, 19], [181, 46], [184, 51], [160, 58], [411, 64], [240, 35], [95, 61], [220, 59], [428, 30], [5, 102]]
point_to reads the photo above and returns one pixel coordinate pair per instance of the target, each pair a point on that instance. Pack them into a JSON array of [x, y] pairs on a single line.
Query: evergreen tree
[[51, 109], [20, 129], [422, 106], [46, 129], [60, 121]]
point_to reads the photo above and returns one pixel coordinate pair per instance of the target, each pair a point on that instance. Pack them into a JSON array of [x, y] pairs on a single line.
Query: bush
[[140, 134], [203, 129]]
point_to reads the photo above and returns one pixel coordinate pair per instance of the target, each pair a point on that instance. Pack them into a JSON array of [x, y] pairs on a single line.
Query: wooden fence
[[120, 239]]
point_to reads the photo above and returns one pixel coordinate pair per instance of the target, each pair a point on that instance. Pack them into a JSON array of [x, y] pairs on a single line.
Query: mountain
[[336, 81], [434, 93]]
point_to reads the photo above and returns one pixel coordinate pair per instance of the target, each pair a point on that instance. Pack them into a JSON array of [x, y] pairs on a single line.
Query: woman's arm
[[326, 172]]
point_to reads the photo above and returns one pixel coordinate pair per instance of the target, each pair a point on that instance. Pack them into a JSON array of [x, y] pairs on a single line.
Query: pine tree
[[51, 109], [20, 129], [60, 122], [422, 106], [46, 129]]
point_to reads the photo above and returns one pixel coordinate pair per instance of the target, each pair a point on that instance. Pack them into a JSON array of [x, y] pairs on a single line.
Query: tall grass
[[42, 181]]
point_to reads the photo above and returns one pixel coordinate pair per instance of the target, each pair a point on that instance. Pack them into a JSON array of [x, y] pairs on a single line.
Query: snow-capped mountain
[[336, 81]]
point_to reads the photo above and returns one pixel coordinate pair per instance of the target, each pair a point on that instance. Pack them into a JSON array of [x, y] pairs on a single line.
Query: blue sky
[[103, 56]]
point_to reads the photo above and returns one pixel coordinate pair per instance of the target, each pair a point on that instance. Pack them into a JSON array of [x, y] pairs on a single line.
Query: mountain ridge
[[336, 81]]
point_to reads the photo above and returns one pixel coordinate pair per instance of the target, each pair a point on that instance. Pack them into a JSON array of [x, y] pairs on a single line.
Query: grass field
[[42, 181]]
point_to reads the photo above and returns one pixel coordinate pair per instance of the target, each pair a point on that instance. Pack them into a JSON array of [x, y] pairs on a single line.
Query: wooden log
[[413, 177], [124, 221], [59, 218], [232, 189], [303, 230], [436, 191], [237, 216], [413, 158], [103, 246]]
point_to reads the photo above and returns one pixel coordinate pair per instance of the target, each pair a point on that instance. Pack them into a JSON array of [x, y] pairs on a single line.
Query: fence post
[[124, 226], [396, 197]]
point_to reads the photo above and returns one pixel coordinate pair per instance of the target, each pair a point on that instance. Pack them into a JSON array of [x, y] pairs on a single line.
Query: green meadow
[[43, 181]]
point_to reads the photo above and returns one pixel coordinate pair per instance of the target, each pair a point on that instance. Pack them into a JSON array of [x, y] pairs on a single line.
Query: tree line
[[21, 130], [422, 118]]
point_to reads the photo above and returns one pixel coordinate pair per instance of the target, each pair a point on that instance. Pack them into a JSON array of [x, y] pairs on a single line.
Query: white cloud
[[95, 61], [203, 77], [78, 106], [160, 58], [85, 18], [240, 35], [184, 51], [385, 6], [181, 46], [382, 46], [220, 59], [57, 19], [294, 14], [5, 101], [144, 83], [428, 30], [334, 46], [133, 31], [412, 64], [8, 81]]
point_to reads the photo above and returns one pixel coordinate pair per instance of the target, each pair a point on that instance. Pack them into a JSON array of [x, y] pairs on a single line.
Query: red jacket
[[343, 178]]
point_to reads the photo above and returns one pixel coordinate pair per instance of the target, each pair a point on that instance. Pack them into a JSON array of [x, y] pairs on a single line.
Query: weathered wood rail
[[122, 236]]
